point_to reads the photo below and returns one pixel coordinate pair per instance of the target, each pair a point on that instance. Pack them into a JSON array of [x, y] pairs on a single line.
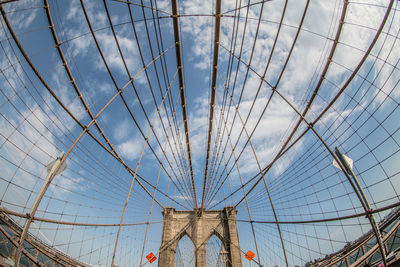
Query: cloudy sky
[[295, 79]]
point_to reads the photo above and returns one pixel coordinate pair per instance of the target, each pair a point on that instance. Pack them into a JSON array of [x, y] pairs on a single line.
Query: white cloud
[[63, 185], [113, 57], [24, 18], [28, 142], [164, 5], [200, 29], [198, 123], [85, 46], [131, 149], [123, 130]]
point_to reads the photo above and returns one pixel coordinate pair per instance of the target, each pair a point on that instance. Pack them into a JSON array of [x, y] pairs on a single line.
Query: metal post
[[347, 261], [53, 170], [364, 201]]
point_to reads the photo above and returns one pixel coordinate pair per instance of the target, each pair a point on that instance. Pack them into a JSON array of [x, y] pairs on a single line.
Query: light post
[[53, 169], [346, 166]]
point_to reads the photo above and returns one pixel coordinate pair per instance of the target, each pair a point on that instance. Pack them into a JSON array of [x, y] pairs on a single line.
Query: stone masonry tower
[[199, 225]]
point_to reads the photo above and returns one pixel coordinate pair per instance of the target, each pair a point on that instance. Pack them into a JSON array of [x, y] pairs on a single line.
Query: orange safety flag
[[249, 255], [151, 257]]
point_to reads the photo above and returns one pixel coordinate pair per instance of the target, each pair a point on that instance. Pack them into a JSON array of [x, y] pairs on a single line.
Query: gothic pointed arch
[[199, 225]]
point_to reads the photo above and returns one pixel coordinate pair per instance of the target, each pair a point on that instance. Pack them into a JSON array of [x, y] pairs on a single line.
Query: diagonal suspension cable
[[150, 45], [77, 90], [70, 113], [125, 102], [134, 177], [244, 82], [170, 99], [258, 90], [283, 148], [213, 89], [218, 139], [83, 101], [147, 77], [311, 124], [182, 91]]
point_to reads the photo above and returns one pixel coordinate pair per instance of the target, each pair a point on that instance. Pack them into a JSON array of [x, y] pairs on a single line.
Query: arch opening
[[185, 252], [216, 252]]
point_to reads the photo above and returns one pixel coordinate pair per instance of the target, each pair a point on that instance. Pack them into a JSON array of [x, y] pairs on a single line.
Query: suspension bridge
[[199, 133]]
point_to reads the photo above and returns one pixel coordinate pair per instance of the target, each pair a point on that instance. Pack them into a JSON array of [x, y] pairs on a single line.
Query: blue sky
[[362, 122]]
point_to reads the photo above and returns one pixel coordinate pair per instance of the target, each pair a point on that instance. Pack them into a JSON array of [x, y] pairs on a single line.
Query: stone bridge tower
[[199, 225]]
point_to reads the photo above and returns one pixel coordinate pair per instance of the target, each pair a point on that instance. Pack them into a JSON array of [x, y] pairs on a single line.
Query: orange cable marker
[[153, 259], [249, 255], [150, 257]]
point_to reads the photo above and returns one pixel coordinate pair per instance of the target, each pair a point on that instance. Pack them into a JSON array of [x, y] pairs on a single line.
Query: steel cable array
[[199, 104]]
